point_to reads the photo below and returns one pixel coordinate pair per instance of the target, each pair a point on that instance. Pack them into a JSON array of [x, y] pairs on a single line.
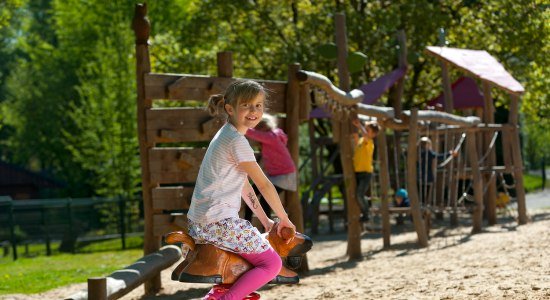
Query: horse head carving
[[206, 263]]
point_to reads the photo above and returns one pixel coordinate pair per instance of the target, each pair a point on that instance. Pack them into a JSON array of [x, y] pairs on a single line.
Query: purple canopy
[[373, 91], [466, 95]]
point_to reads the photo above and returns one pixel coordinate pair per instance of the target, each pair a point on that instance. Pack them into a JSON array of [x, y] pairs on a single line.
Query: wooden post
[[292, 130], [225, 64], [396, 95], [516, 159], [141, 27], [97, 288], [346, 151], [491, 160], [293, 205], [412, 180], [454, 185], [477, 216], [445, 78], [384, 185]]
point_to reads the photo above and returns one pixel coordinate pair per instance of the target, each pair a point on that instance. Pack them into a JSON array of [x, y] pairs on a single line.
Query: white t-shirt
[[219, 185]]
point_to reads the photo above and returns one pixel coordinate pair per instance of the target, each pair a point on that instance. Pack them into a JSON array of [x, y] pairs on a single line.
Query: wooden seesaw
[[206, 263]]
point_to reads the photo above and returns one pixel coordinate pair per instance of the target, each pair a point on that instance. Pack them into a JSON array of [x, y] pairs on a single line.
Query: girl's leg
[[266, 266]]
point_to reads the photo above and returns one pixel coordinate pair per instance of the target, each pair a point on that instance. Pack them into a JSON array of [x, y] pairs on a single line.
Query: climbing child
[[426, 167], [362, 162], [277, 162], [401, 200], [223, 180]]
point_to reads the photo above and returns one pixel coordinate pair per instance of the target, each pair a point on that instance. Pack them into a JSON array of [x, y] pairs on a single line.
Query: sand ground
[[506, 261]]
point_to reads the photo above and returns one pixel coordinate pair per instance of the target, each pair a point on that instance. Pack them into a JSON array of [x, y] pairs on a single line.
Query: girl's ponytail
[[216, 105]]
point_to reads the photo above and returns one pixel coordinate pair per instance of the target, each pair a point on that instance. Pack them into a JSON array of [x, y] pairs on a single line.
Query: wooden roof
[[479, 64]]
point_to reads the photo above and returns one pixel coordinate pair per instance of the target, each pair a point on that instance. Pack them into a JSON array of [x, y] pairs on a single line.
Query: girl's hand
[[356, 122], [268, 225], [285, 223]]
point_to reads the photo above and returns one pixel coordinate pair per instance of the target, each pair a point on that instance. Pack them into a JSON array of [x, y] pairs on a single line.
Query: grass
[[533, 183], [34, 275]]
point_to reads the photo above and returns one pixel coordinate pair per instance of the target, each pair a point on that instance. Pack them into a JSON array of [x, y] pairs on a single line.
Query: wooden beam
[[292, 130], [346, 154], [200, 88], [97, 288], [477, 216], [489, 180], [516, 158], [225, 64], [305, 102], [175, 165], [293, 105], [396, 101], [141, 28], [173, 125], [379, 112], [171, 198], [447, 90], [341, 96], [384, 185], [419, 225], [123, 281], [443, 117]]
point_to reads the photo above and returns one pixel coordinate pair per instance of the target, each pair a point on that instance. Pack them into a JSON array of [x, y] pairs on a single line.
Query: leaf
[[327, 51], [356, 61]]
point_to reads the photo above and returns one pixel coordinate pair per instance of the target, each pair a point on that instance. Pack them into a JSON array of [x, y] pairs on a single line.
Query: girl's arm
[[249, 197], [268, 191]]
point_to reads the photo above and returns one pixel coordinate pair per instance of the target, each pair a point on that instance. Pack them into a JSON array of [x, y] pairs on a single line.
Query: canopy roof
[[372, 91], [479, 64], [466, 95]]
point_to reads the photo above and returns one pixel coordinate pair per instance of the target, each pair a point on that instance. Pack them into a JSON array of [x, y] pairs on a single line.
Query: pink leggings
[[266, 266]]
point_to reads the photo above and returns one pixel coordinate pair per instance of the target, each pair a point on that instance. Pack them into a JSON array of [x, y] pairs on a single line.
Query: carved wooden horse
[[206, 263]]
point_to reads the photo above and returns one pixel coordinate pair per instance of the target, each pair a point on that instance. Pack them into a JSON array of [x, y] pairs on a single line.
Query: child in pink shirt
[[277, 162]]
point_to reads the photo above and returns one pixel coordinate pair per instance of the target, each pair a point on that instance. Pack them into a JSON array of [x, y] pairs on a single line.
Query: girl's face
[[246, 115]]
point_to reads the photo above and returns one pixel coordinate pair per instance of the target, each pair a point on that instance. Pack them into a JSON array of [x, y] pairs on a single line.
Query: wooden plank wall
[[173, 169]]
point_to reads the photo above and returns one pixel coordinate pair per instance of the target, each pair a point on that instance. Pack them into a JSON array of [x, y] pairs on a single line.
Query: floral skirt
[[232, 234]]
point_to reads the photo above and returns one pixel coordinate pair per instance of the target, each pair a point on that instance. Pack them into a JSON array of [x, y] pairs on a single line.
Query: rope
[[486, 187], [456, 149], [491, 145]]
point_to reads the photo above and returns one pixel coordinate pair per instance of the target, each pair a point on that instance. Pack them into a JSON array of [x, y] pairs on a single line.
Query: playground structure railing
[[462, 133]]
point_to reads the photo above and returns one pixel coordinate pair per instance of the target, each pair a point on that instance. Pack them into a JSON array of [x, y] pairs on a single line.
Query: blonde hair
[[268, 122], [240, 91], [425, 141]]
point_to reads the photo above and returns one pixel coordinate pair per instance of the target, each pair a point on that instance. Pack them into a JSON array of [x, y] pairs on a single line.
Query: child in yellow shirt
[[362, 161]]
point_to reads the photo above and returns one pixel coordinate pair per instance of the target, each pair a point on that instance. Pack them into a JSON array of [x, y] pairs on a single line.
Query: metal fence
[[72, 222]]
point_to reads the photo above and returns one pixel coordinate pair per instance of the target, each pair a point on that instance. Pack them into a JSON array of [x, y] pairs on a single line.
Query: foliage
[[67, 83]]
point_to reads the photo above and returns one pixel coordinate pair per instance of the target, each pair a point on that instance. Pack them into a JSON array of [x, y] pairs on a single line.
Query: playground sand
[[506, 261]]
